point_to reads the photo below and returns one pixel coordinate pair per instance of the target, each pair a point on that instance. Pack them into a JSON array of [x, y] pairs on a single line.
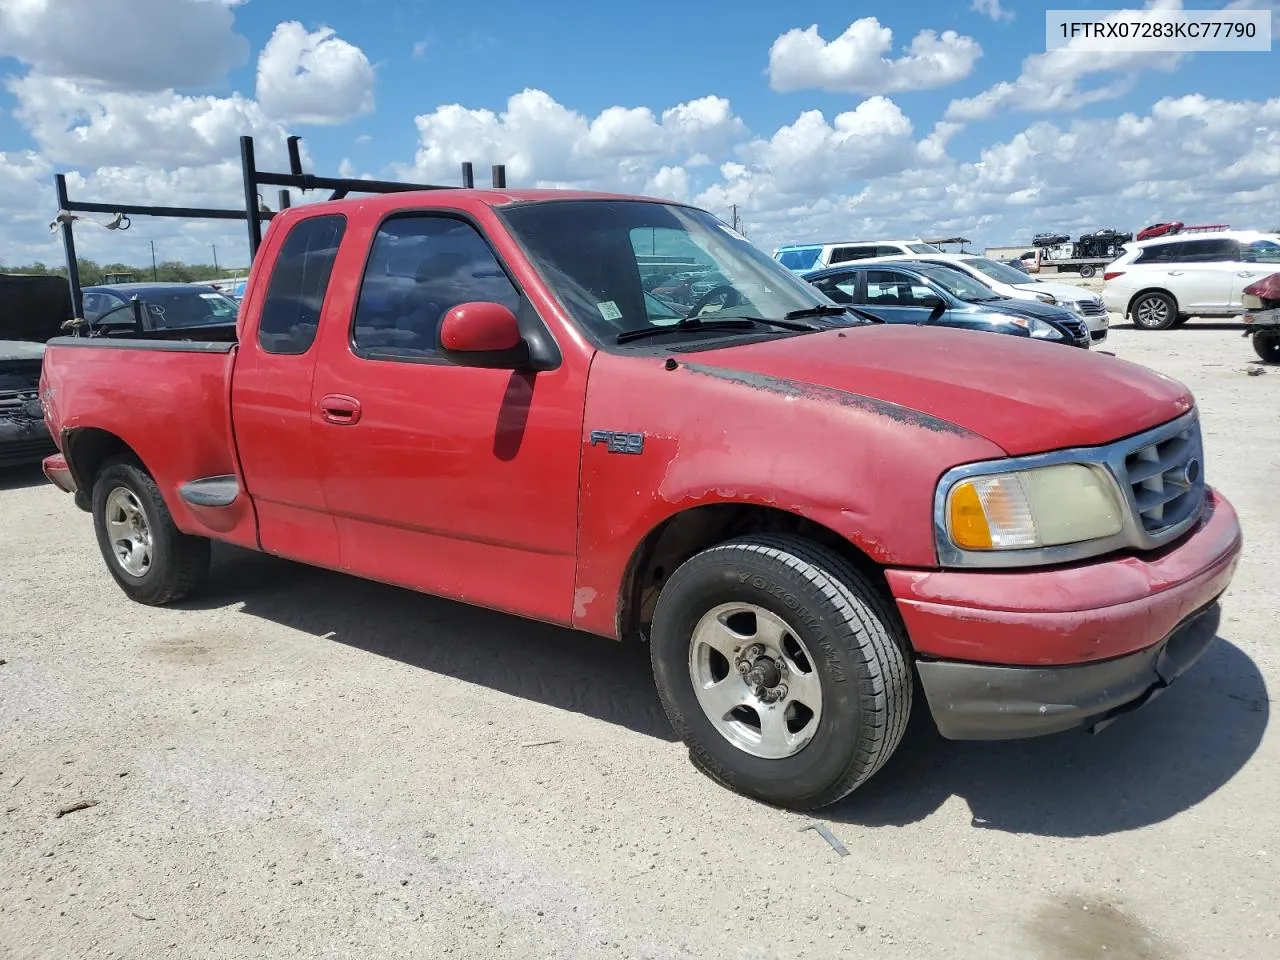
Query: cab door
[[271, 390], [453, 480]]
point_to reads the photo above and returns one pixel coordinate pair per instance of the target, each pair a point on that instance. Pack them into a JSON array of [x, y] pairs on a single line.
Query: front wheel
[[782, 668], [153, 561], [1155, 311], [1267, 346], [1087, 271]]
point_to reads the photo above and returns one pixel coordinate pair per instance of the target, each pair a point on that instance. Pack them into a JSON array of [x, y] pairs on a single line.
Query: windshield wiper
[[833, 310], [687, 325], [821, 310]]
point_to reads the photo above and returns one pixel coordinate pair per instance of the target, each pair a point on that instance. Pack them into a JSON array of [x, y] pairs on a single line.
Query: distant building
[[1007, 253]]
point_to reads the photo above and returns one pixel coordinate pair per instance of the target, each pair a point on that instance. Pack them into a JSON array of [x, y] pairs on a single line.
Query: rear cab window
[[291, 310]]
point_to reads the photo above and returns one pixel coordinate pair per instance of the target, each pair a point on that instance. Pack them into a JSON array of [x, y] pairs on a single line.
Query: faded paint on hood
[[1024, 396]]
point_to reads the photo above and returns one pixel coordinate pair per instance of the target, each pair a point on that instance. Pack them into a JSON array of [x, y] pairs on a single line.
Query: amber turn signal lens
[[969, 527]]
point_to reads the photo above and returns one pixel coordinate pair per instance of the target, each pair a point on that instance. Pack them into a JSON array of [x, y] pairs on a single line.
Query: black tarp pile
[[33, 307]]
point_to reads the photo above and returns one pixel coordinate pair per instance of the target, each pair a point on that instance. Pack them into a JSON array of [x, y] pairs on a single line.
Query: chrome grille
[[1165, 476], [1092, 308]]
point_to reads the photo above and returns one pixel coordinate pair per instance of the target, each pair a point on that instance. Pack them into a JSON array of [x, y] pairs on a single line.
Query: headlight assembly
[[1039, 329], [1047, 298], [1039, 511], [1137, 493]]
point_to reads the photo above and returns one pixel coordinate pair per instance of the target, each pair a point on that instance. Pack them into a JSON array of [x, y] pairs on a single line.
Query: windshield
[[957, 283], [600, 258], [1000, 272]]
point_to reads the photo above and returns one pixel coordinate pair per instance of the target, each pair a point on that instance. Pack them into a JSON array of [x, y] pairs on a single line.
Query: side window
[[841, 288], [888, 288], [420, 267], [889, 251], [295, 296], [1259, 251], [94, 305], [845, 254], [1209, 251], [1160, 253]]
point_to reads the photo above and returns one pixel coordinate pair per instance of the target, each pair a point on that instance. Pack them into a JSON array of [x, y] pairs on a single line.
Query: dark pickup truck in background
[[33, 308], [808, 516]]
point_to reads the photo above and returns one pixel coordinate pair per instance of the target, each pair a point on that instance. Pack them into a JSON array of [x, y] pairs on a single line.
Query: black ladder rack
[[254, 212]]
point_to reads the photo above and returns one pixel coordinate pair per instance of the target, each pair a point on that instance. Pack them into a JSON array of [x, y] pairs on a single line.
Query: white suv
[[1163, 282], [1011, 282], [805, 257]]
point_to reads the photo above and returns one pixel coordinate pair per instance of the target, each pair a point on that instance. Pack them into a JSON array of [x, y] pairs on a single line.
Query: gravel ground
[[302, 764]]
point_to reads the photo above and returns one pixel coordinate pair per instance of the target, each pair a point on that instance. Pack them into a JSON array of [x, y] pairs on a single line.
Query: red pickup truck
[[806, 514]]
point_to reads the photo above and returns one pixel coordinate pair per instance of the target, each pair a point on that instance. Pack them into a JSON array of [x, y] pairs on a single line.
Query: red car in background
[[1159, 230]]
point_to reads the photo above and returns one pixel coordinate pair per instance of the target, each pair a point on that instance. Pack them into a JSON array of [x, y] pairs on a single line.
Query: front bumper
[[989, 643], [1099, 325], [972, 701], [1257, 319]]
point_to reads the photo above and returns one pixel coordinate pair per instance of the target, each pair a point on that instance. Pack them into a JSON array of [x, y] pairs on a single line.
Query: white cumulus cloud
[[313, 76], [1055, 80], [858, 60], [991, 9], [185, 43], [542, 141]]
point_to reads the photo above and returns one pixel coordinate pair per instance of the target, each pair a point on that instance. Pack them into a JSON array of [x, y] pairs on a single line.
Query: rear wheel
[[1155, 310], [1267, 346], [153, 561], [782, 668], [1087, 271]]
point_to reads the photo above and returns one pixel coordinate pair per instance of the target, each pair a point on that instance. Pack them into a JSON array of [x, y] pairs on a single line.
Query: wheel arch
[[1128, 310], [687, 532], [86, 449]]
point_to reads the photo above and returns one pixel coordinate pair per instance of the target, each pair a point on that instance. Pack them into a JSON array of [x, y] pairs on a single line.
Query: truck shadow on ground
[[562, 668], [1145, 768], [21, 477]]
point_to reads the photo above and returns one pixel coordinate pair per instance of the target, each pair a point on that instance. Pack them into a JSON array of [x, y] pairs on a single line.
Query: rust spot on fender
[[809, 391]]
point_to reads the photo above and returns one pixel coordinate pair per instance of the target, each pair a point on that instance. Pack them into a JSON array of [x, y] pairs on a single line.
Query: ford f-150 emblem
[[619, 442]]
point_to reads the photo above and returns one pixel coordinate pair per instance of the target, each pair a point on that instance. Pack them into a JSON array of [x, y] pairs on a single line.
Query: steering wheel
[[733, 300]]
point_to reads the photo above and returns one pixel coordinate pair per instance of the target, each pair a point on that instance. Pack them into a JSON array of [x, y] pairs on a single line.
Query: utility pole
[[153, 261], [214, 248]]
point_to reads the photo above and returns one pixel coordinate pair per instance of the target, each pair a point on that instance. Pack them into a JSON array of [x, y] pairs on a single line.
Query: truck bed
[[166, 400]]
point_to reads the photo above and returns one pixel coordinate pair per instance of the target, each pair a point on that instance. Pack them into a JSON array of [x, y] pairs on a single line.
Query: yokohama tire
[[164, 563], [858, 668]]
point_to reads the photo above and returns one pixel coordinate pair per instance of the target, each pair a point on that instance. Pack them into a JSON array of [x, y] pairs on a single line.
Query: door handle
[[340, 409], [1175, 273], [1246, 274]]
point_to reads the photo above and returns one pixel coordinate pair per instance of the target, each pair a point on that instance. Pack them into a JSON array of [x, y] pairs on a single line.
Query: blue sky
[[878, 172]]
